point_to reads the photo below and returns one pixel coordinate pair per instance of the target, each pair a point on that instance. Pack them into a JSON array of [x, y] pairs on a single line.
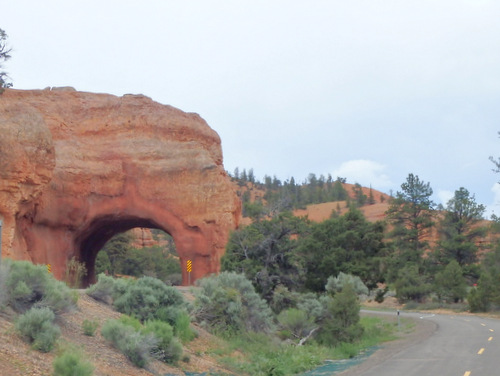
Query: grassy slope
[[16, 357]]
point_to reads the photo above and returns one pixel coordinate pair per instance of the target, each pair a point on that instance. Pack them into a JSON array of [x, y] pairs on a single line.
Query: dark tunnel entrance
[[115, 230]]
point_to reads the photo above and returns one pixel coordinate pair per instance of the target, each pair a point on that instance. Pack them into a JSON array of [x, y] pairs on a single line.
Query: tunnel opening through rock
[[141, 252], [115, 230], [86, 167]]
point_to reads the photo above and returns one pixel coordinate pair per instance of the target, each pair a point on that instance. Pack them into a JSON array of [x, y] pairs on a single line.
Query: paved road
[[456, 346]]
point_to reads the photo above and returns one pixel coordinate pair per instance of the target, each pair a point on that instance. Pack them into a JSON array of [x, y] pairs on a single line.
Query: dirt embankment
[[18, 359]]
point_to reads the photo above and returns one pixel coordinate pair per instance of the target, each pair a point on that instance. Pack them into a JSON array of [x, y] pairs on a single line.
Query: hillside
[[18, 359], [321, 212]]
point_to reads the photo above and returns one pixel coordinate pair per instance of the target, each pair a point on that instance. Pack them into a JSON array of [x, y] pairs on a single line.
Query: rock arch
[[77, 168]]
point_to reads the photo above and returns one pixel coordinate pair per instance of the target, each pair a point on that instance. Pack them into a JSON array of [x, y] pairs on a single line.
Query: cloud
[[365, 172], [494, 208], [445, 196]]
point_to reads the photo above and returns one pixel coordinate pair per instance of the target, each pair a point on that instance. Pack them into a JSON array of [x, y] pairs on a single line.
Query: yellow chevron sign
[[49, 268], [189, 266]]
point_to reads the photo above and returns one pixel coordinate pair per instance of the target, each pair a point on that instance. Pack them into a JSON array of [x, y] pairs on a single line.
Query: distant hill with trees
[[295, 236]]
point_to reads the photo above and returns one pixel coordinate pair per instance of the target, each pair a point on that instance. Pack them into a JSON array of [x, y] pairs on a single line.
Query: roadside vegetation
[[289, 293], [120, 257], [422, 253]]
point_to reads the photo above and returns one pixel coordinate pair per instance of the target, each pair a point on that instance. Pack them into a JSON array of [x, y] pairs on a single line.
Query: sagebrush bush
[[228, 302], [4, 293], [30, 285], [131, 321], [336, 284], [72, 363], [104, 290], [313, 305], [149, 298], [137, 347], [37, 327], [89, 327], [169, 349]]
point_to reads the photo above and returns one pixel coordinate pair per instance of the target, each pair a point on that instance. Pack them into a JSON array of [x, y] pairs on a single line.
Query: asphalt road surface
[[448, 345]]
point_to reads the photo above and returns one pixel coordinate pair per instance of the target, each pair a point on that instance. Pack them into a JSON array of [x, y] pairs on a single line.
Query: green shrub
[[104, 289], [450, 284], [131, 321], [169, 349], [71, 363], [411, 285], [149, 298], [228, 302], [182, 328], [89, 327], [59, 297], [341, 320], [312, 305], [4, 292], [170, 314], [137, 347], [380, 294], [296, 322], [336, 284], [282, 299], [31, 285], [478, 301], [37, 328]]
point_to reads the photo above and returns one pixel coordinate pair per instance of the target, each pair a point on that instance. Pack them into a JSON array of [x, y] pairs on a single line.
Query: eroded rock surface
[[77, 168]]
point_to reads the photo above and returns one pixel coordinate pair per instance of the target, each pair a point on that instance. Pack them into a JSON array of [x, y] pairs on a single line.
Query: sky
[[368, 90]]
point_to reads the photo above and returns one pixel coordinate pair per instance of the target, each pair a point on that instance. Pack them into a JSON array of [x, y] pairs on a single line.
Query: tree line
[[421, 251], [289, 195]]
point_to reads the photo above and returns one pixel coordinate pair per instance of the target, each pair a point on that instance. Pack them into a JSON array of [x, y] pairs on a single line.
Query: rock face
[[76, 168]]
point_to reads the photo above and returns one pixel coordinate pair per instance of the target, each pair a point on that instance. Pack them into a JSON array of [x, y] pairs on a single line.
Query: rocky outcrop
[[143, 238], [77, 168]]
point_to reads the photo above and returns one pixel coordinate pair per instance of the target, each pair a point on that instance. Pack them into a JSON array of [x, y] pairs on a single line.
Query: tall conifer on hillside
[[4, 56], [411, 216]]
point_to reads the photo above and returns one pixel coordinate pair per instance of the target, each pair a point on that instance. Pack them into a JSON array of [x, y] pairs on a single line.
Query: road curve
[[448, 345]]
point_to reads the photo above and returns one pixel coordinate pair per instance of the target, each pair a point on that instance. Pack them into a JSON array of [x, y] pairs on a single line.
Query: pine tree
[[411, 214], [4, 56], [459, 229]]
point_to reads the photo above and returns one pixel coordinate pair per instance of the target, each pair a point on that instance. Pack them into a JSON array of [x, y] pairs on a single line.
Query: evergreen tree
[[371, 198], [487, 293], [116, 249], [411, 284], [411, 214], [348, 244], [4, 56], [341, 319], [251, 176], [359, 196], [450, 283], [459, 229], [236, 173], [265, 252], [338, 191]]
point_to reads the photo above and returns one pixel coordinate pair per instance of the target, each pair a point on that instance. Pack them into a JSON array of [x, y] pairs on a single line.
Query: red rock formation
[[77, 168], [143, 238]]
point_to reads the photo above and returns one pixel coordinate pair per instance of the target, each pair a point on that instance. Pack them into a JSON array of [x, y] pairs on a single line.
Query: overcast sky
[[369, 90]]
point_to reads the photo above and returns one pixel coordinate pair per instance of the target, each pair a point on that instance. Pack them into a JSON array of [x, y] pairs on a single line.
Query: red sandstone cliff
[[76, 168]]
